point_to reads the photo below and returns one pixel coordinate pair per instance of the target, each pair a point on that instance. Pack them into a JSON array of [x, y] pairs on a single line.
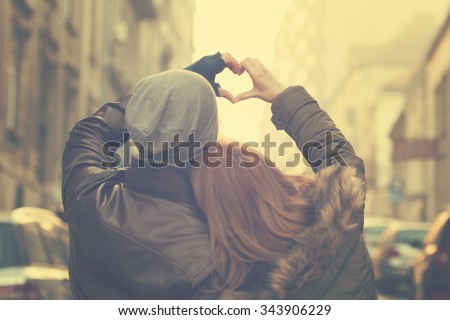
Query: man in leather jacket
[[137, 233]]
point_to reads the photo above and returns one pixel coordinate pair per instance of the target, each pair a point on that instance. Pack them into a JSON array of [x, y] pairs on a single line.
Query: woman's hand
[[265, 86], [232, 63]]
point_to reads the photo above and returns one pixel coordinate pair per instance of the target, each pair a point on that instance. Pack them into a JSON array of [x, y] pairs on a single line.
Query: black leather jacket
[[135, 234]]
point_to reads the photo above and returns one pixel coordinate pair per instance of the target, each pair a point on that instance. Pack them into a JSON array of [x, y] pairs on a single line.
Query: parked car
[[34, 253], [394, 255], [373, 228], [432, 266]]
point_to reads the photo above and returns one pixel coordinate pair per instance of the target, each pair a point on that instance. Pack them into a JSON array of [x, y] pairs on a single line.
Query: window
[[20, 35], [166, 57], [45, 243], [19, 196], [445, 236], [63, 238], [412, 237], [12, 97], [435, 229], [372, 234], [34, 247], [8, 252], [48, 97], [93, 38], [70, 98], [71, 17], [54, 246], [441, 105], [68, 9]]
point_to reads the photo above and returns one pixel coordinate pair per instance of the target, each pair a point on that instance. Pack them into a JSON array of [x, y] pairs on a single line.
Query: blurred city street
[[379, 68]]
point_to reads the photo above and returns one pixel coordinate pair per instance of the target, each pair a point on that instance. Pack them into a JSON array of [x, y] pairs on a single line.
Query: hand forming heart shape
[[265, 86], [236, 68]]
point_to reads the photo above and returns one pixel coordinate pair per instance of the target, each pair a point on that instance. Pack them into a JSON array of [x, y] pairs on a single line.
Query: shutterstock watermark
[[213, 154]]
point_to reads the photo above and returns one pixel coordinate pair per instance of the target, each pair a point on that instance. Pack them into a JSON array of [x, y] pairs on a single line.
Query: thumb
[[246, 95]]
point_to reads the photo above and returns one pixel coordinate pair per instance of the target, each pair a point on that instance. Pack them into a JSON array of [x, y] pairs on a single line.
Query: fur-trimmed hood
[[326, 245]]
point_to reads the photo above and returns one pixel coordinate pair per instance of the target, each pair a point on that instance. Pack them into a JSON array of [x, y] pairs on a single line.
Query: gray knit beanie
[[170, 103]]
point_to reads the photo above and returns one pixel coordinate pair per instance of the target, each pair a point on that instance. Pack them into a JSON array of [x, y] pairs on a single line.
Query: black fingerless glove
[[209, 67]]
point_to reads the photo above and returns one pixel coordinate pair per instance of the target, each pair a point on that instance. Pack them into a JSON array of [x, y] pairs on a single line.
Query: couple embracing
[[183, 226]]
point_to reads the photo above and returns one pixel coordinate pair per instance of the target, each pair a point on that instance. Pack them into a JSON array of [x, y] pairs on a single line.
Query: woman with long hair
[[275, 236]]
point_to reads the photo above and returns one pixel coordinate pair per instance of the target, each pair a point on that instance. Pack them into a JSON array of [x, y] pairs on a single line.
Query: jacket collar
[[169, 183]]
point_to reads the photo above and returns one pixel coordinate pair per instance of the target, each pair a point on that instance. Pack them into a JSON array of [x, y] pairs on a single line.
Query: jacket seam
[[200, 269], [92, 180], [195, 281]]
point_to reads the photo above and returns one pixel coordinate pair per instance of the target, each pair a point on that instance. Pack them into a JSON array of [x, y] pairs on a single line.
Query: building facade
[[421, 135], [59, 61], [370, 100], [345, 56]]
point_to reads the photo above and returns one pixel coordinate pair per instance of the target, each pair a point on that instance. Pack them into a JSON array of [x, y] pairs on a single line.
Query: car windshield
[[372, 234], [411, 237], [8, 254], [445, 236]]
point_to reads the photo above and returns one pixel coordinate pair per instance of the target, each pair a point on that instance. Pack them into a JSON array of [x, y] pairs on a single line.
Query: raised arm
[[316, 135], [296, 112], [90, 147]]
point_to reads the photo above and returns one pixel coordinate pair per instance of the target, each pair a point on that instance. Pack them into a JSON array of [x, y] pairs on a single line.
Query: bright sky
[[244, 29]]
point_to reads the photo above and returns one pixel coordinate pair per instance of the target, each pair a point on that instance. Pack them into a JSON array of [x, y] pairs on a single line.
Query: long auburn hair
[[254, 212]]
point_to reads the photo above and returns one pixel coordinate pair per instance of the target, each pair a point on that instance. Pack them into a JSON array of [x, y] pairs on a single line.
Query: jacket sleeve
[[320, 141], [89, 151]]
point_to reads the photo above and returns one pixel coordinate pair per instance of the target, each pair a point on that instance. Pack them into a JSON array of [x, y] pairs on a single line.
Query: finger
[[241, 70], [248, 62], [249, 65], [246, 95], [231, 62], [259, 63], [227, 95], [235, 67]]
